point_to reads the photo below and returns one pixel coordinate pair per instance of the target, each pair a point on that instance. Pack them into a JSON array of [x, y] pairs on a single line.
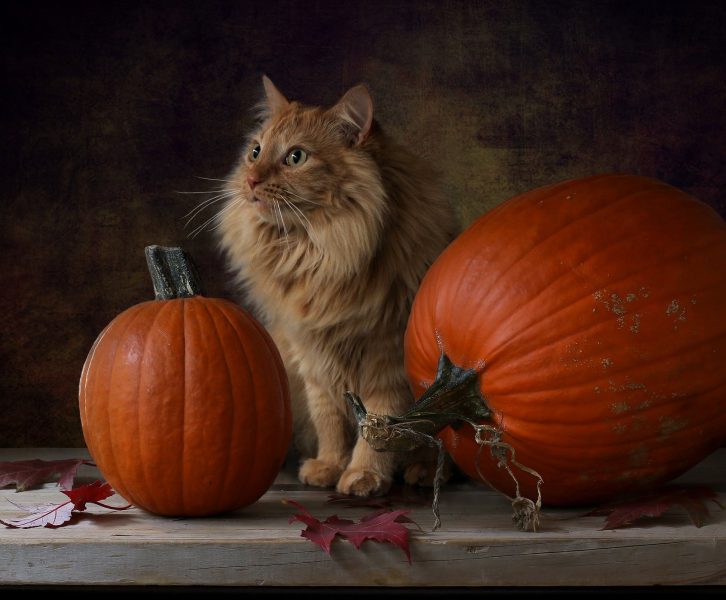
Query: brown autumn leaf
[[26, 474], [380, 526], [55, 515], [692, 499]]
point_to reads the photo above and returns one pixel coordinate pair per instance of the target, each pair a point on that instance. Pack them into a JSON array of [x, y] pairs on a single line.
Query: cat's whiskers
[[280, 223], [204, 191], [213, 179], [234, 201], [278, 227], [299, 197], [277, 221], [302, 219], [192, 214]]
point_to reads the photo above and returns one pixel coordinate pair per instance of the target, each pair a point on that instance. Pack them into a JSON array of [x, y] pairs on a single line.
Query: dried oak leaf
[[26, 474], [381, 526], [55, 515], [692, 499]]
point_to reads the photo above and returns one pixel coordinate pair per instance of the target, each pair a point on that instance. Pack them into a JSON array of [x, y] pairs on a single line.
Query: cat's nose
[[252, 182]]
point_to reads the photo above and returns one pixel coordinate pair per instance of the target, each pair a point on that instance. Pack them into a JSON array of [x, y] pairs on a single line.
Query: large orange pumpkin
[[184, 399], [595, 314]]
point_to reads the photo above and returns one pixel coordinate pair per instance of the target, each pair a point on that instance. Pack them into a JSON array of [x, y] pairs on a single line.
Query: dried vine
[[452, 400]]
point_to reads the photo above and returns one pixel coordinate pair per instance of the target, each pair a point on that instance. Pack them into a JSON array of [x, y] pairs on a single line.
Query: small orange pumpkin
[[593, 312], [184, 399]]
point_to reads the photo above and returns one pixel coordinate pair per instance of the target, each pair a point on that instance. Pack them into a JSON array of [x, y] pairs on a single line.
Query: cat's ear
[[356, 109], [275, 100]]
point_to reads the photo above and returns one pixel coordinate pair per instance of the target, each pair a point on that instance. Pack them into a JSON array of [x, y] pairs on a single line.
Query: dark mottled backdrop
[[110, 108]]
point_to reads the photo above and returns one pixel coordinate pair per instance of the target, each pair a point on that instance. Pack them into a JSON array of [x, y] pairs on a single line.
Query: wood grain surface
[[477, 544]]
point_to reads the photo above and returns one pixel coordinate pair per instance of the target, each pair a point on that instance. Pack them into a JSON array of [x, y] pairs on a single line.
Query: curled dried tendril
[[525, 511]]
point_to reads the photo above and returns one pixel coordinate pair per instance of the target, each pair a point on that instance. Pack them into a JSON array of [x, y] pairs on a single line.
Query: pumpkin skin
[[594, 311], [184, 406]]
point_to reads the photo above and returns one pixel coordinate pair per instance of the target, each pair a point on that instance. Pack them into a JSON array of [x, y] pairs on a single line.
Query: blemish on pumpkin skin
[[670, 425], [619, 407], [574, 356], [628, 386], [618, 309], [674, 310], [606, 362], [616, 305]]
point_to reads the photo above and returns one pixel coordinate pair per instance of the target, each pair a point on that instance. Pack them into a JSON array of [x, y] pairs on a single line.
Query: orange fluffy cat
[[330, 229]]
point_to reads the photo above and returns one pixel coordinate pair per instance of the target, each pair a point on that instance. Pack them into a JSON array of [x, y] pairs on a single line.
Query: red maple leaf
[[380, 526], [55, 515], [26, 474], [692, 499]]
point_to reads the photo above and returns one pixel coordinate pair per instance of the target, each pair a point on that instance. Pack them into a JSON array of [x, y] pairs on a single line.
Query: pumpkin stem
[[172, 272], [453, 399], [454, 395]]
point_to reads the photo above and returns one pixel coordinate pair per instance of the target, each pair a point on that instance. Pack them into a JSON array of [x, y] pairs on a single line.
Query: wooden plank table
[[477, 544]]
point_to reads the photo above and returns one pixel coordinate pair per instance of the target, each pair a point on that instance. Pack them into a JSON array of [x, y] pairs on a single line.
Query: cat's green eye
[[296, 157], [255, 152]]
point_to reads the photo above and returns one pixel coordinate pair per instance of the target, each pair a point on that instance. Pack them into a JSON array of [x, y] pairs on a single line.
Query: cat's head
[[308, 163]]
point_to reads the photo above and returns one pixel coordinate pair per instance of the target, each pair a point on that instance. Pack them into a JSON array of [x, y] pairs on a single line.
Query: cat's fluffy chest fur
[[330, 233]]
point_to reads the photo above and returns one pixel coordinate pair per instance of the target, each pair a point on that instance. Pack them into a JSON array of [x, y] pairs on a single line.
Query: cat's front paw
[[418, 474], [424, 474], [319, 473], [363, 482]]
